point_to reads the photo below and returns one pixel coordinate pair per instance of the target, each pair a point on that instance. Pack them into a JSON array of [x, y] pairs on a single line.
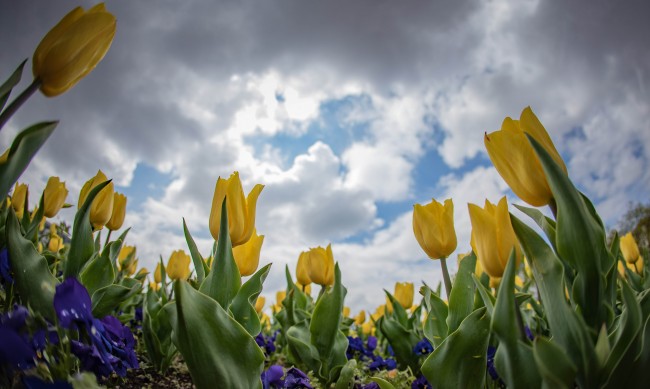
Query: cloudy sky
[[348, 111]]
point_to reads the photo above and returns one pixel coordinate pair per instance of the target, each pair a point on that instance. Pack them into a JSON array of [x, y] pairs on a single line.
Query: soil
[[176, 377]]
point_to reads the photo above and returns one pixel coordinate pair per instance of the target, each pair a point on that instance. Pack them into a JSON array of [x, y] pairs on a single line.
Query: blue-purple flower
[[272, 378], [380, 363], [266, 343], [5, 269], [423, 347], [421, 383], [16, 351], [72, 305], [296, 379]]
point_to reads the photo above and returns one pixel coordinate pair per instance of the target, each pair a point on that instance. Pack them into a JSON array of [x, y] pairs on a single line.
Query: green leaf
[[460, 361], [223, 284], [197, 259], [82, 246], [517, 368], [32, 229], [12, 81], [580, 240], [23, 148], [346, 379], [461, 300], [32, 278], [157, 332], [568, 329], [98, 273], [603, 347], [435, 325], [399, 312], [554, 365], [243, 305], [383, 384], [301, 351], [544, 222], [218, 351], [487, 297], [105, 300], [402, 341]]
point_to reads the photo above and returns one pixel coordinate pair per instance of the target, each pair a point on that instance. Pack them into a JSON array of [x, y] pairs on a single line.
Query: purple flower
[[296, 379], [529, 333], [92, 359], [355, 345], [15, 319], [72, 305], [380, 363], [16, 350], [266, 343], [272, 378], [421, 383], [371, 344], [491, 352], [372, 385], [5, 269], [423, 347]]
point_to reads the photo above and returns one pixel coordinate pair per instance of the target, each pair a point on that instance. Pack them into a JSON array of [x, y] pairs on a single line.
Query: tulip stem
[[18, 101], [445, 276]]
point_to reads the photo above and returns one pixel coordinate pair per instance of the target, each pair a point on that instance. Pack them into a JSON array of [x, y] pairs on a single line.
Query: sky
[[349, 112]]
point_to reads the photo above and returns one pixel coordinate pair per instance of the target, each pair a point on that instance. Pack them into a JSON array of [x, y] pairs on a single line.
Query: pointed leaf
[[554, 365], [197, 259], [461, 300], [435, 325], [10, 83], [243, 305], [544, 222]]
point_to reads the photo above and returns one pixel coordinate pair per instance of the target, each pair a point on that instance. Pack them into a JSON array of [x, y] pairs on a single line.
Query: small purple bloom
[[421, 383], [372, 385], [72, 304], [390, 364], [371, 344], [296, 379], [423, 347], [354, 345], [16, 318], [272, 378], [16, 350], [5, 268], [92, 359], [491, 352], [529, 333]]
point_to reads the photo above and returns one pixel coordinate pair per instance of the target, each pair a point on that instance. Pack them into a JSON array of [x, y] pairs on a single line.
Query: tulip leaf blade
[[223, 285], [98, 273], [157, 332], [435, 325], [383, 384], [461, 299], [554, 365], [544, 222], [398, 311], [243, 305], [218, 351], [10, 83], [197, 259], [346, 378], [32, 277], [300, 348], [459, 362], [487, 297], [402, 340], [82, 246], [23, 148], [105, 300]]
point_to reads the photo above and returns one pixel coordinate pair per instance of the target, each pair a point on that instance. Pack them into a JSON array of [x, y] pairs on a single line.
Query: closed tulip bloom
[[241, 211], [629, 248], [346, 311], [18, 199], [515, 160], [119, 211], [178, 266], [154, 286], [54, 196], [130, 270], [433, 226], [493, 237], [321, 265], [247, 255], [101, 209], [157, 274], [404, 293], [302, 269], [360, 318], [638, 265], [259, 304], [55, 244], [306, 289], [126, 257], [368, 328], [73, 48]]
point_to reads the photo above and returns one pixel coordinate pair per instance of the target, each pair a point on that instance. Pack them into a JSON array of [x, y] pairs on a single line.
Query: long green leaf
[[98, 273], [435, 325], [554, 365], [197, 259], [243, 305], [402, 341], [544, 222], [32, 278], [105, 300], [218, 351], [23, 148], [460, 361], [12, 81], [461, 300]]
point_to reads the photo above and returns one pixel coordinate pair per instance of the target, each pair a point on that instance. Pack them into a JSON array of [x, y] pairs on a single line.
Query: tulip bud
[[241, 211], [346, 312], [53, 197], [157, 274], [178, 266], [638, 266], [119, 211], [154, 286], [321, 265], [73, 48], [280, 296], [126, 257], [259, 304], [18, 199], [629, 248], [306, 289], [404, 293], [433, 226], [360, 318], [368, 328], [302, 269], [247, 255], [55, 244], [515, 160], [130, 270], [102, 206], [493, 237]]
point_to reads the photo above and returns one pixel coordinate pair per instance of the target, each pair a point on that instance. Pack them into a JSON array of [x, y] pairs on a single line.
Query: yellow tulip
[[404, 293], [379, 312], [154, 286], [346, 311], [119, 211], [73, 48], [265, 321], [101, 209], [18, 199], [433, 226], [247, 255], [157, 274], [130, 270], [259, 304], [5, 156], [126, 257], [493, 237], [55, 244], [495, 282], [321, 265], [54, 196], [368, 328], [306, 289], [142, 272], [360, 318], [178, 266], [302, 269], [280, 296], [638, 265], [241, 211], [516, 161], [629, 248]]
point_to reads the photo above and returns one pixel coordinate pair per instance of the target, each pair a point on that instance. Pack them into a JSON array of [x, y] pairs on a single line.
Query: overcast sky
[[348, 111]]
